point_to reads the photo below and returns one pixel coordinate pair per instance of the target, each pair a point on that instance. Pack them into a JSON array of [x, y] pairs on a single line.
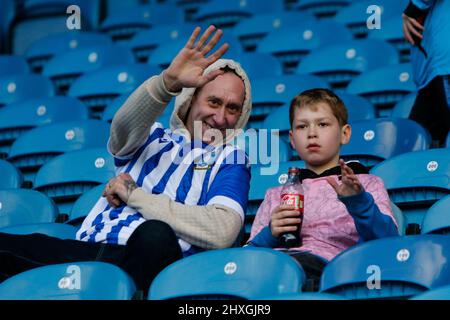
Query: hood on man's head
[[183, 100]]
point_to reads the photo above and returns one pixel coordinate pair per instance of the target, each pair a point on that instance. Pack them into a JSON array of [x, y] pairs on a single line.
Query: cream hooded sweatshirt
[[209, 226]]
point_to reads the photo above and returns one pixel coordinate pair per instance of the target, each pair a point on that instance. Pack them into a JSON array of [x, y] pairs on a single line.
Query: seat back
[[437, 217], [83, 205], [11, 176], [442, 293], [11, 64], [51, 229], [19, 87]]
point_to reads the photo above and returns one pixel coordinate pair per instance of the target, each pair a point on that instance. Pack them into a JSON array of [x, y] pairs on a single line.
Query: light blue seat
[[269, 93], [402, 109], [19, 87], [42, 50], [384, 87], [403, 267], [314, 296], [63, 69], [253, 63], [338, 64], [375, 140], [83, 205], [355, 16], [437, 218], [399, 218], [87, 280], [123, 25], [11, 176], [51, 229], [251, 31], [322, 8], [416, 180], [68, 176], [441, 293], [228, 14], [146, 41], [18, 118], [98, 88], [11, 64], [290, 45], [24, 206], [235, 273], [40, 18], [39, 145]]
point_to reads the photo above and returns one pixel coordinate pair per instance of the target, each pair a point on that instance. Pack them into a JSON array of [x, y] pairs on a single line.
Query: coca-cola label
[[293, 200]]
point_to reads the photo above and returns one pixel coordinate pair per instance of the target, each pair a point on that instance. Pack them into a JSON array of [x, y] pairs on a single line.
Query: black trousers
[[151, 247], [432, 108], [313, 266]]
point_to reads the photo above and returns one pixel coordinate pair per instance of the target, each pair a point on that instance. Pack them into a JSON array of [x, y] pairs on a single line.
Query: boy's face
[[317, 136]]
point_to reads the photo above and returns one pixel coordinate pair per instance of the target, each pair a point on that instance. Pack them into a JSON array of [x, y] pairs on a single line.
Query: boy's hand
[[284, 219], [119, 189], [186, 69], [350, 183]]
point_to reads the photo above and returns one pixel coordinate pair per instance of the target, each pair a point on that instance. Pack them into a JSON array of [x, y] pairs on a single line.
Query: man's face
[[217, 105], [317, 136]]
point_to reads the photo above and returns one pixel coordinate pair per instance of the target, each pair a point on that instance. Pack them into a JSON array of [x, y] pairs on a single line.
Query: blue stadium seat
[[63, 69], [164, 54], [314, 296], [10, 64], [338, 64], [37, 146], [251, 31], [70, 281], [114, 6], [18, 87], [404, 267], [11, 176], [416, 180], [146, 41], [23, 206], [392, 32], [98, 88], [355, 16], [83, 205], [402, 109], [441, 293], [375, 140], [40, 18], [437, 217], [42, 50], [260, 65], [68, 176], [228, 14], [270, 93], [447, 142], [384, 87], [18, 118], [290, 45], [229, 274], [51, 229], [123, 25], [399, 218], [322, 8]]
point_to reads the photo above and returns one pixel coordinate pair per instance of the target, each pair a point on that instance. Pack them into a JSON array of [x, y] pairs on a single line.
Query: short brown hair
[[314, 96]]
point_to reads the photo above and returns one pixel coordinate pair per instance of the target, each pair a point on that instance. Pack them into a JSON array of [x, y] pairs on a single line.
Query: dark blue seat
[[19, 87], [322, 8], [251, 31], [253, 63], [63, 69], [37, 146], [42, 50], [89, 280], [402, 109], [68, 176], [24, 206], [18, 118], [416, 180], [11, 64], [403, 266], [229, 274], [11, 176], [98, 88], [291, 44], [384, 87], [437, 218], [375, 140], [51, 229], [123, 25], [338, 64]]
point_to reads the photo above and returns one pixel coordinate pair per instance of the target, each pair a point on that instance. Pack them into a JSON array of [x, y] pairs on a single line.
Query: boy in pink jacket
[[344, 204]]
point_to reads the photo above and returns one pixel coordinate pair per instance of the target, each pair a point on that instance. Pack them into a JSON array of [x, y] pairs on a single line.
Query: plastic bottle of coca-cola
[[292, 194]]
